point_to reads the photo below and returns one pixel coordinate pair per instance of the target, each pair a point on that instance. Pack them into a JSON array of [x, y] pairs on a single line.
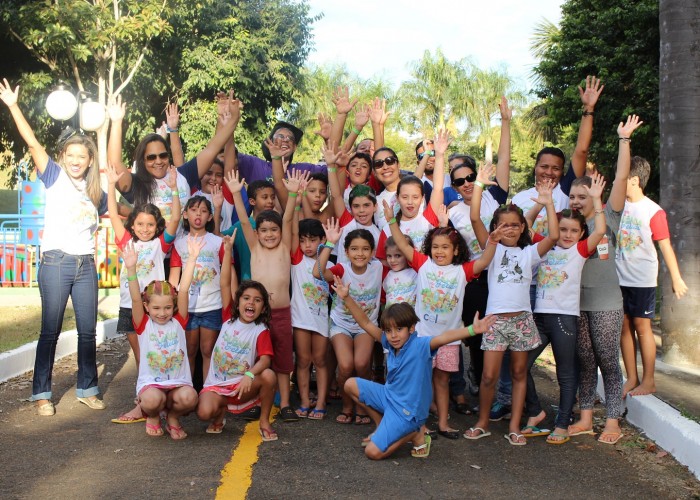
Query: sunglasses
[[283, 137], [430, 152], [460, 181], [163, 156], [388, 161]]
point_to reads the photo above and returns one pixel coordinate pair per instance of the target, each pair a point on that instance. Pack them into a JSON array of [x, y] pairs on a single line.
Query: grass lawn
[[20, 325]]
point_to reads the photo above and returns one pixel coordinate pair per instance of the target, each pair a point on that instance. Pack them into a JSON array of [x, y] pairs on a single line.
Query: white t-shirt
[[440, 295], [309, 295], [205, 291], [459, 215], [162, 197], [226, 210], [417, 229], [523, 200], [509, 275], [400, 286], [390, 197], [70, 219], [348, 223], [163, 353], [642, 223], [365, 289], [149, 265], [559, 280]]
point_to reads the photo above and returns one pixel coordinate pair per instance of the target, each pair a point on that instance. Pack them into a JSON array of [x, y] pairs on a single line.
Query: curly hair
[[525, 238], [265, 314], [149, 209], [162, 288], [455, 238]]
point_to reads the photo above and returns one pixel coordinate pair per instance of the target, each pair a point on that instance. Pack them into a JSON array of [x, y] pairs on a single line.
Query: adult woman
[[73, 201], [387, 170]]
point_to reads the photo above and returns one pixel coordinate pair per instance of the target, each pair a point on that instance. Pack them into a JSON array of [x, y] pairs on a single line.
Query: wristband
[[293, 194], [298, 209], [276, 157], [588, 113], [480, 184], [131, 278], [328, 244], [490, 241], [471, 331], [250, 374], [392, 221], [332, 170], [625, 139], [598, 212], [355, 131], [170, 130], [175, 192]]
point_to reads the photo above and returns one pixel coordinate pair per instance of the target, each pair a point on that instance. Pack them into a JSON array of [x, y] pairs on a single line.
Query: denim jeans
[[62, 275]]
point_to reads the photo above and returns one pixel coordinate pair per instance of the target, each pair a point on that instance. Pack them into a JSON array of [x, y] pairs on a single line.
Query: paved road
[[79, 454]]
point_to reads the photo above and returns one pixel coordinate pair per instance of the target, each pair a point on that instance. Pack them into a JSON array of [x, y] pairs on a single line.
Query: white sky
[[375, 37]]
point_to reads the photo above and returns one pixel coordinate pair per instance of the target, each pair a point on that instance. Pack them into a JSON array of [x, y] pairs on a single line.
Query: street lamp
[[62, 105]]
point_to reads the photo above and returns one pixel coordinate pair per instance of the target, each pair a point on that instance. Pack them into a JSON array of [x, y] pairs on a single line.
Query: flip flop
[[362, 419], [482, 433], [268, 434], [347, 418], [302, 412], [575, 430], [449, 434], [176, 432], [534, 431], [156, 429], [616, 437], [288, 415], [216, 428], [514, 439], [425, 446], [563, 438], [317, 414], [125, 418]]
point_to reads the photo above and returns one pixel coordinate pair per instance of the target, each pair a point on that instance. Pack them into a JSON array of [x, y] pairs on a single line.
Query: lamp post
[[62, 105]]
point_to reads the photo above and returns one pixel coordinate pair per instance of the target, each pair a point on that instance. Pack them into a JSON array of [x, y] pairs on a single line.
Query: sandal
[[556, 438], [125, 418], [317, 414], [482, 433], [268, 434], [215, 428], [344, 418], [575, 430], [154, 430], [514, 439], [176, 432], [416, 451], [251, 414], [362, 419], [302, 412], [288, 415], [534, 431], [616, 436]]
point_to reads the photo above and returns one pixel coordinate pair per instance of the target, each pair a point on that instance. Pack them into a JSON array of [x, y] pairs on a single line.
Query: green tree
[[618, 41]]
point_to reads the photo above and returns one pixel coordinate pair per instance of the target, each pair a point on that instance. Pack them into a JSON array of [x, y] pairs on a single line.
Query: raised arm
[[503, 164], [194, 246], [235, 186], [343, 106], [278, 170], [112, 207], [293, 186], [11, 98], [401, 243], [336, 192], [378, 115], [544, 197], [172, 121], [130, 258], [176, 209], [437, 195], [117, 110], [229, 281], [361, 119], [227, 123], [544, 194], [483, 179], [619, 187], [217, 200], [420, 169], [332, 229], [490, 249], [295, 222], [589, 98], [477, 327], [596, 194], [363, 321]]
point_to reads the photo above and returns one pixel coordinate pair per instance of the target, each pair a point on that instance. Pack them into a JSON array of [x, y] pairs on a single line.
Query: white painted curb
[[21, 360], [666, 426]]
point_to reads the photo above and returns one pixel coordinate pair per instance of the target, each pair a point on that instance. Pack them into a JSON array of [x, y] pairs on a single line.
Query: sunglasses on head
[[430, 152], [163, 156], [460, 181], [389, 161]]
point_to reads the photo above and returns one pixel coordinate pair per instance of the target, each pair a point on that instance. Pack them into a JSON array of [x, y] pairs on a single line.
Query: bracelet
[[293, 194], [471, 331], [328, 244], [250, 374], [355, 131], [298, 209], [490, 241], [624, 139], [175, 192], [598, 212], [131, 278], [392, 221], [588, 113], [480, 184], [276, 157], [332, 170], [170, 130], [304, 193]]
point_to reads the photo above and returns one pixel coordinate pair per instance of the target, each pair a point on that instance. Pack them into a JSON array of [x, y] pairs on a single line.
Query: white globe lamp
[[92, 115], [61, 104]]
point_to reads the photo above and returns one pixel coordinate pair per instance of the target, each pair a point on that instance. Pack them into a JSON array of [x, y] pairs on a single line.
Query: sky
[[381, 37]]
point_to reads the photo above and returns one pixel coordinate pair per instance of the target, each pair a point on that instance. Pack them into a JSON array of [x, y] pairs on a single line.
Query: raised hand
[[234, 184], [228, 241], [544, 192], [597, 186], [625, 130], [589, 96], [171, 178], [8, 96], [172, 116], [112, 175], [343, 159], [443, 216], [274, 147], [378, 113], [341, 99], [325, 124], [362, 116], [388, 211], [222, 101], [129, 255], [340, 288], [217, 197], [330, 155], [332, 229], [506, 112], [497, 233], [486, 171], [294, 180], [442, 141], [483, 325], [194, 246], [116, 109]]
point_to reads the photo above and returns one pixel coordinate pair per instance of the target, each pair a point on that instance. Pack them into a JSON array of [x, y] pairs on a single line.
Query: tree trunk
[[679, 121], [488, 150]]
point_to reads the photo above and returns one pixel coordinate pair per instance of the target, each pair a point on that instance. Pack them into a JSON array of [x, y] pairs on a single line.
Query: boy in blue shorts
[[400, 407]]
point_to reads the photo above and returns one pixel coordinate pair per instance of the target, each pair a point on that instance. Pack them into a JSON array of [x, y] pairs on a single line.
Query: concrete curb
[[666, 426], [21, 360]]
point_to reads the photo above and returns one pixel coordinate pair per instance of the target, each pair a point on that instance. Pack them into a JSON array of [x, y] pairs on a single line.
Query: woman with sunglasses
[[387, 170], [74, 199], [152, 160], [462, 177]]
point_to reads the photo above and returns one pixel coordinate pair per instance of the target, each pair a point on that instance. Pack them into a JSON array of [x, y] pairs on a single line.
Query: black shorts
[[639, 302], [125, 324]]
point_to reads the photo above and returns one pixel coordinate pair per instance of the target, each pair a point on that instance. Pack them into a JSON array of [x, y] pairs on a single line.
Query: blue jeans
[[62, 275]]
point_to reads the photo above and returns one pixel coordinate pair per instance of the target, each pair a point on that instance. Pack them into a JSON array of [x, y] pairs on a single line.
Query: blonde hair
[[92, 175]]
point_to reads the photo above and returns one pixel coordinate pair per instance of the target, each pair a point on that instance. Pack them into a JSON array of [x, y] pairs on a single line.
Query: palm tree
[[679, 121]]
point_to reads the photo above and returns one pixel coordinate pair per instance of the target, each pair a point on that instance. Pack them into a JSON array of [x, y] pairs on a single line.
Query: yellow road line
[[237, 474]]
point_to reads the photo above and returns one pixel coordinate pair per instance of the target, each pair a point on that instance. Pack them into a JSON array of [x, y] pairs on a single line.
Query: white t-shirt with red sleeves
[[237, 349], [149, 265], [417, 229], [347, 224], [365, 289], [205, 290], [400, 286], [559, 279], [510, 274], [460, 216], [163, 349], [440, 294], [643, 222], [309, 295]]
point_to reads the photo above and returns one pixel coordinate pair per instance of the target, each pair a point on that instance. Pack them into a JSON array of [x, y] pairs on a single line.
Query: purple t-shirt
[[252, 168]]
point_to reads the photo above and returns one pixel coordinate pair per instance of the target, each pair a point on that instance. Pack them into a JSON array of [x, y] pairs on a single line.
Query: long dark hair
[[143, 182], [265, 314], [455, 238], [192, 202], [146, 208], [525, 239]]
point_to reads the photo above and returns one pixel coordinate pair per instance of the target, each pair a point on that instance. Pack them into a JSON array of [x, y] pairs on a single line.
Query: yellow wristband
[[175, 192], [480, 184]]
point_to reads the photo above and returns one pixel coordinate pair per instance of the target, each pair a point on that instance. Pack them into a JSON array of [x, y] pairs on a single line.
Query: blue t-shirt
[[409, 381], [448, 192], [241, 251]]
